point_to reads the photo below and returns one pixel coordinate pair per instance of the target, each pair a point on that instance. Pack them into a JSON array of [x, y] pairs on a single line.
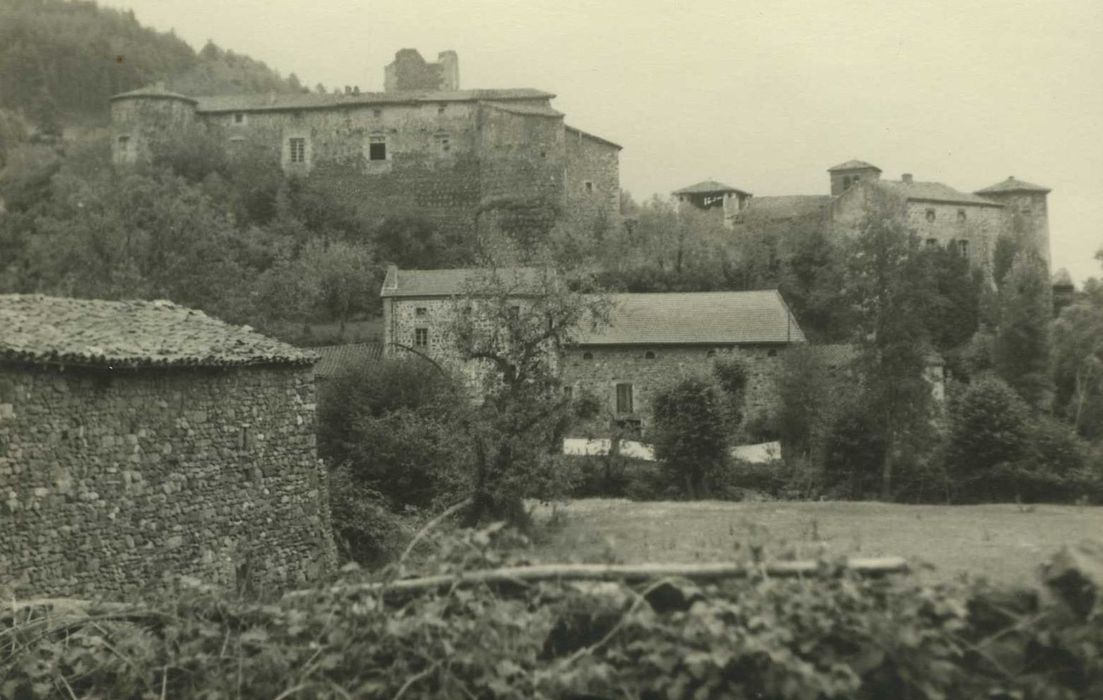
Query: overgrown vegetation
[[829, 636]]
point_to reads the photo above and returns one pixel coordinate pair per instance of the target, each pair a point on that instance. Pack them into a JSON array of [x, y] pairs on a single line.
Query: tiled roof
[[447, 283], [302, 100], [785, 208], [527, 110], [586, 134], [684, 318], [853, 165], [53, 330], [708, 187], [154, 91], [1013, 185], [333, 357], [932, 192]]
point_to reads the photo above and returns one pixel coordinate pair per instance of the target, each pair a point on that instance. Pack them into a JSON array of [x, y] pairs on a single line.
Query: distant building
[[140, 440], [710, 195], [653, 340], [968, 223], [466, 160]]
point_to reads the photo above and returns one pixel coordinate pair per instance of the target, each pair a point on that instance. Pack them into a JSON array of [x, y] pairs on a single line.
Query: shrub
[[366, 531], [690, 435], [989, 427], [731, 376], [853, 454]]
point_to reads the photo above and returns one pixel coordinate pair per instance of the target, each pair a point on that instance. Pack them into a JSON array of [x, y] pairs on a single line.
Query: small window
[[514, 313], [124, 142], [961, 216], [963, 248], [588, 186], [297, 150], [420, 311], [444, 144], [568, 392], [587, 356], [624, 398], [710, 353], [377, 147], [772, 352], [440, 109], [649, 355], [244, 439], [1026, 211], [543, 154], [377, 113], [930, 215], [932, 242], [239, 118], [421, 337]]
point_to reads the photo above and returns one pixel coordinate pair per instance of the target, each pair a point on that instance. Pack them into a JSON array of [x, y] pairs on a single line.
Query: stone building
[[710, 195], [466, 160], [140, 440], [651, 341], [968, 223]]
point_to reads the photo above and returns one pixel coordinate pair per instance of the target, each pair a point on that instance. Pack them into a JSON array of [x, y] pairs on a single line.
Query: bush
[[989, 428], [366, 530], [690, 435], [853, 455]]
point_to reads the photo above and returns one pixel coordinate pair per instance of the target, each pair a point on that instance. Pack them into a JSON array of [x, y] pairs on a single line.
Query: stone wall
[[110, 481], [138, 122], [592, 182], [608, 366]]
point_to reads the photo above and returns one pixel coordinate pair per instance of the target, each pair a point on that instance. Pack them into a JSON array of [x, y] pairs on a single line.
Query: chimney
[[907, 178]]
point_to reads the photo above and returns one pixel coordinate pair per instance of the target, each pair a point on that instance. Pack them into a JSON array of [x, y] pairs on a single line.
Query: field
[[1004, 543]]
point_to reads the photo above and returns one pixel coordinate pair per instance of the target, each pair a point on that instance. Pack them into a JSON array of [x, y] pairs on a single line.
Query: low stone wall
[[112, 481]]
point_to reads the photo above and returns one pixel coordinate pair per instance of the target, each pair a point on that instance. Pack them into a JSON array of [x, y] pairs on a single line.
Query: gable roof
[[586, 134], [853, 165], [1013, 185], [697, 318], [39, 329], [524, 109], [934, 192], [302, 100], [708, 187], [449, 283], [786, 207], [334, 357]]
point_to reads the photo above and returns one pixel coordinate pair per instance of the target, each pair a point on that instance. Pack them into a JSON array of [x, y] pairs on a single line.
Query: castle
[[466, 160], [968, 223]]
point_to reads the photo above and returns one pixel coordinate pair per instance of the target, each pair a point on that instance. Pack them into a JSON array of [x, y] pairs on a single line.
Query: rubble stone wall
[[112, 481]]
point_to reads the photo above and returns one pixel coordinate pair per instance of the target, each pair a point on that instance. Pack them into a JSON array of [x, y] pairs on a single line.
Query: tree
[[990, 427], [690, 434], [886, 286], [1022, 348], [1078, 361], [508, 329]]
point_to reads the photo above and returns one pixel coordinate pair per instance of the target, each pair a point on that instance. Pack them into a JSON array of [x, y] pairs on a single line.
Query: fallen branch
[[430, 525], [618, 572]]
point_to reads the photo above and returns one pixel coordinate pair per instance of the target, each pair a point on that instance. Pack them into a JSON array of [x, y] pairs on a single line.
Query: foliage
[[367, 531], [806, 397], [1022, 348], [854, 453], [829, 636], [690, 435], [989, 427], [731, 376], [1078, 361]]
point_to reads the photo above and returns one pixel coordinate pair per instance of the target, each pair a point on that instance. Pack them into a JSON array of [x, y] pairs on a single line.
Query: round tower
[[141, 117], [1026, 212]]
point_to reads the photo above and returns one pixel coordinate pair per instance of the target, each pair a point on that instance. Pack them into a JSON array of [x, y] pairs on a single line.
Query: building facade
[[466, 160], [143, 440], [650, 342], [939, 215]]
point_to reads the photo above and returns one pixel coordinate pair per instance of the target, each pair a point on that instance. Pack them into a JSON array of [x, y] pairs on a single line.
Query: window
[[772, 352], [244, 439], [421, 337], [587, 356], [588, 186], [440, 109], [710, 353], [514, 313], [239, 118], [444, 144], [961, 216], [297, 149], [1026, 211], [963, 248], [377, 147], [930, 215], [568, 392], [932, 242], [649, 355], [124, 142], [420, 311], [624, 398]]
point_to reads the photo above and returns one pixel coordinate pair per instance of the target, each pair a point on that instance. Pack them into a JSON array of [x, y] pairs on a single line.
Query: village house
[[141, 440], [465, 160], [650, 342], [968, 223]]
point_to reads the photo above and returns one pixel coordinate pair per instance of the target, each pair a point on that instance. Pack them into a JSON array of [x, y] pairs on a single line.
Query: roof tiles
[[39, 329], [1012, 185]]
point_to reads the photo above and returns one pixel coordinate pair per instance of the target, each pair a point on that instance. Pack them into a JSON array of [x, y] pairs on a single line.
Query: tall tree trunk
[[887, 466]]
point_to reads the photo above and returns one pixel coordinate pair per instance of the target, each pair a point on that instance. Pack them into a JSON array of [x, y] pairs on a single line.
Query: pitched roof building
[[141, 440]]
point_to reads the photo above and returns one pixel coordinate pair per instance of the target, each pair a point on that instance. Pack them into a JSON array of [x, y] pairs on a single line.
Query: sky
[[763, 95]]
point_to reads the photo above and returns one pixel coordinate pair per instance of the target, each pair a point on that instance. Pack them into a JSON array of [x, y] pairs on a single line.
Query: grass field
[[1004, 543]]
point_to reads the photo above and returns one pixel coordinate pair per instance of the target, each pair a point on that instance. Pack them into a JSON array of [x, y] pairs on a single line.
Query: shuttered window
[[624, 398]]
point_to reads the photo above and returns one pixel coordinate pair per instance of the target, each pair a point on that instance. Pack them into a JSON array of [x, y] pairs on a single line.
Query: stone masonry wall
[[110, 481], [610, 366], [592, 183]]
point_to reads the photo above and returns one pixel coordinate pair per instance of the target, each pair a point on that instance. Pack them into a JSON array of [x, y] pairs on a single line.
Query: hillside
[[60, 61]]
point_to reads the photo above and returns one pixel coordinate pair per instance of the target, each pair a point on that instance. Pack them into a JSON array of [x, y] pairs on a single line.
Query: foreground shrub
[[834, 636], [690, 435]]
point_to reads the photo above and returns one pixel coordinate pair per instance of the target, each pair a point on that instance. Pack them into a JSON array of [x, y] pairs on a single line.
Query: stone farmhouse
[[969, 223], [651, 341], [141, 439], [466, 160]]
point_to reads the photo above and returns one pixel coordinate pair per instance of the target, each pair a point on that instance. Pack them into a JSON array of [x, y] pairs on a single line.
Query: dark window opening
[[440, 109], [710, 353], [420, 311], [772, 352], [377, 148], [624, 398], [961, 215], [930, 215], [421, 337], [514, 313], [297, 148], [589, 186], [568, 392], [444, 143], [239, 118], [932, 242], [649, 355], [963, 248], [124, 141], [244, 439], [587, 356]]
